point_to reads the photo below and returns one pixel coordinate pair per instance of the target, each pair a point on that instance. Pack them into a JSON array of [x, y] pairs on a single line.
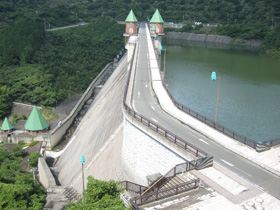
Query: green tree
[[33, 159], [17, 188], [5, 101], [99, 195]]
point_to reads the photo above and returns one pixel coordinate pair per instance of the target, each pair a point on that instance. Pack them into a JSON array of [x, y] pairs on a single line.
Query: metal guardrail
[[212, 123], [154, 193], [133, 187], [165, 133], [164, 193], [171, 137], [239, 137], [183, 167]]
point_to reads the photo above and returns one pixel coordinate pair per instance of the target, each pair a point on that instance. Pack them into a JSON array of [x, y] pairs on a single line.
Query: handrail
[[217, 126], [164, 176], [160, 130], [130, 186], [158, 194], [165, 133], [211, 122], [157, 128]]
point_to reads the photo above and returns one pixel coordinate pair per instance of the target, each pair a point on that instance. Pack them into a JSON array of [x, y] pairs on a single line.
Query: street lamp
[[82, 161], [214, 78]]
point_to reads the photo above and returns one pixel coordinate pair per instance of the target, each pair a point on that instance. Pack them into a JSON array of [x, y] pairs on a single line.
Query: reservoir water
[[249, 101]]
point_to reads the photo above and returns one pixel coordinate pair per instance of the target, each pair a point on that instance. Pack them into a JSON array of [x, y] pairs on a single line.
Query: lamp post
[[214, 78], [82, 161]]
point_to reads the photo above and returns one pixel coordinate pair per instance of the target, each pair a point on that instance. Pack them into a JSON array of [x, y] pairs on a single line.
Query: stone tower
[[157, 24], [130, 24]]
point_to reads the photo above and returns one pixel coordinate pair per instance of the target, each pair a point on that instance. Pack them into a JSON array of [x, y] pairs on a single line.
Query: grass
[[30, 144], [48, 114]]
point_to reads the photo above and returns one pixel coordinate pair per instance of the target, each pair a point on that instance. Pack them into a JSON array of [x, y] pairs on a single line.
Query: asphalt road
[[145, 103]]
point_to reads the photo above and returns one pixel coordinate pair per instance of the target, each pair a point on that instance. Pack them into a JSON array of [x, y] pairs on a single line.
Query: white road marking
[[154, 120], [138, 94], [243, 172], [146, 85], [153, 108], [205, 142], [227, 163]]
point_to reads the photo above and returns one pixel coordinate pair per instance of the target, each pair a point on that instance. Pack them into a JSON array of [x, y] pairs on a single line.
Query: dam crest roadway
[[116, 146]]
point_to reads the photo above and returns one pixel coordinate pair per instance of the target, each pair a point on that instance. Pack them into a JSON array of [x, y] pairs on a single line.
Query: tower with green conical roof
[[156, 22], [7, 126], [130, 24], [36, 123]]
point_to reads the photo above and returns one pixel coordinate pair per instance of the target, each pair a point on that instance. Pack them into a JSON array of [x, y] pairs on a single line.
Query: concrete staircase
[[71, 194], [171, 186]]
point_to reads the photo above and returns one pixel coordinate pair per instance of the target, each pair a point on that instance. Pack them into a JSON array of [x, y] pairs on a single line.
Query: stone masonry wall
[[212, 38], [142, 155]]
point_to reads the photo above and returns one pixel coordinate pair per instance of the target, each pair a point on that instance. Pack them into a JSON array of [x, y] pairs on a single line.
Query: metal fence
[[239, 137], [149, 197], [132, 187], [164, 193]]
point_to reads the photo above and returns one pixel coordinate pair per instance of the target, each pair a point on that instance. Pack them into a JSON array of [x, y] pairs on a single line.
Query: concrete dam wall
[[211, 39], [100, 125], [113, 147]]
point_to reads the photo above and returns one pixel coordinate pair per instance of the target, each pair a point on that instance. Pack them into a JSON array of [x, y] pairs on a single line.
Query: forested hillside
[[62, 12], [41, 67], [248, 19], [44, 67]]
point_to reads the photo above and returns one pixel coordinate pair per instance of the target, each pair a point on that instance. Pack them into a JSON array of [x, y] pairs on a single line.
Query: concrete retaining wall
[[45, 175], [59, 131], [211, 39], [142, 155]]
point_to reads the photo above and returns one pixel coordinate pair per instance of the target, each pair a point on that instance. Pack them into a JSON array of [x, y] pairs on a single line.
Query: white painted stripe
[[146, 85], [205, 142], [153, 107], [154, 120], [227, 163], [243, 172], [138, 94]]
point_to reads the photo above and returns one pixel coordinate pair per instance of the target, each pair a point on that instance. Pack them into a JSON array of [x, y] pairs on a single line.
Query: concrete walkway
[[269, 160], [228, 191]]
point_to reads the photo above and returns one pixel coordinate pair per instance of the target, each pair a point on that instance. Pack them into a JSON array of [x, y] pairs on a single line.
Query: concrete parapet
[[59, 131], [45, 176]]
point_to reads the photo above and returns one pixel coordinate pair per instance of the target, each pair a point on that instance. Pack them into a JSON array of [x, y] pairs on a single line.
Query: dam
[[125, 135]]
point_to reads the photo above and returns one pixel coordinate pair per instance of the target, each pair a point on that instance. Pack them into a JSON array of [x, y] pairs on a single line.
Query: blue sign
[[82, 159], [213, 76]]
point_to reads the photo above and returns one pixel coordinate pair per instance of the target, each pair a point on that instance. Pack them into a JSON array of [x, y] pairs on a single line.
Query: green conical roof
[[131, 17], [157, 18], [153, 28], [6, 125], [36, 121]]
